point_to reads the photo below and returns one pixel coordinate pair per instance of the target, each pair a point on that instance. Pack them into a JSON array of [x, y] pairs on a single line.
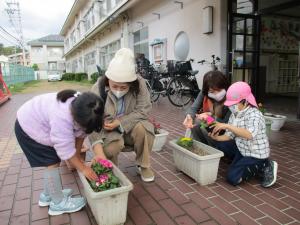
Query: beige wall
[[173, 19]]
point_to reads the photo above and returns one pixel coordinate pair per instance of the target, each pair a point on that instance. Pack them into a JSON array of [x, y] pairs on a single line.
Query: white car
[[54, 76]]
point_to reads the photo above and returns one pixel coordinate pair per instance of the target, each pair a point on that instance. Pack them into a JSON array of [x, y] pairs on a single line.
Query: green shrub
[[96, 75], [68, 76], [75, 76], [80, 76]]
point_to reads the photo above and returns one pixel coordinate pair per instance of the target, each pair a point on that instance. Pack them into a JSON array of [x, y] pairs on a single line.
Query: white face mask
[[219, 96], [119, 94]]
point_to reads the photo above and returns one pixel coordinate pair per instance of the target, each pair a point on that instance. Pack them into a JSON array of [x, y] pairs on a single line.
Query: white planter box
[[203, 169], [109, 207], [277, 121], [160, 140]]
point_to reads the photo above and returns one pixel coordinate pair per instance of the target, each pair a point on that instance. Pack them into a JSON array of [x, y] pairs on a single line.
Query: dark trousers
[[242, 167]]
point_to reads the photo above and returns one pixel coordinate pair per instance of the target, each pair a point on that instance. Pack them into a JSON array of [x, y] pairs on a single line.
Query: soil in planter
[[197, 150]]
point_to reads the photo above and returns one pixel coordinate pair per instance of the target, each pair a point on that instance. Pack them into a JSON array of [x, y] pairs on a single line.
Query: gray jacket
[[137, 109], [197, 106]]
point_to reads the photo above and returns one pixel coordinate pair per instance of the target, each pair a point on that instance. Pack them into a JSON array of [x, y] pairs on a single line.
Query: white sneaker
[[67, 205], [46, 199]]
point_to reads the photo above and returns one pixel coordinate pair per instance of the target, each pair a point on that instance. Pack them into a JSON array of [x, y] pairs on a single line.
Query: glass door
[[243, 42]]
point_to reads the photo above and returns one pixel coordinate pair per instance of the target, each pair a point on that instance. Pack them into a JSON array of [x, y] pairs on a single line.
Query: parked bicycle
[[183, 87], [156, 82]]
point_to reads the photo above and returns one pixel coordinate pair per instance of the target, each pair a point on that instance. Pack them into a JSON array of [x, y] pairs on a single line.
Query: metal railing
[[14, 73]]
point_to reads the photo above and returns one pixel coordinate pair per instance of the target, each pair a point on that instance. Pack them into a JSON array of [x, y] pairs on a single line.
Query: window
[[37, 50], [73, 38], [52, 65], [55, 52], [78, 31], [68, 67], [110, 4], [107, 53], [74, 66], [89, 59], [140, 42], [89, 19], [80, 63], [103, 10], [67, 43]]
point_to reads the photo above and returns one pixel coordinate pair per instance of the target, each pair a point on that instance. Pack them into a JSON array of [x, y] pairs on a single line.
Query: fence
[[14, 73]]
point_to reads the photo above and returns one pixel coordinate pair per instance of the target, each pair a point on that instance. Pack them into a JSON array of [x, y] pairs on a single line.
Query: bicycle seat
[[194, 72]]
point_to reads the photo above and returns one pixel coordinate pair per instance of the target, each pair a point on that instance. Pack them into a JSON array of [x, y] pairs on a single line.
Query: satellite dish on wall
[[181, 46]]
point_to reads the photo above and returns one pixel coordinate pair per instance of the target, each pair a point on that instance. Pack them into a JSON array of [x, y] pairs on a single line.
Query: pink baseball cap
[[239, 91]]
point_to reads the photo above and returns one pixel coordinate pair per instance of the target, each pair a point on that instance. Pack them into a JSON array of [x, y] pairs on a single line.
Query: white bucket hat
[[122, 67]]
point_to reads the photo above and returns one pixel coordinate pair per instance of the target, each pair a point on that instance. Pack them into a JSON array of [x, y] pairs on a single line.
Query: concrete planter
[[203, 169], [268, 126], [160, 140], [109, 207], [277, 121]]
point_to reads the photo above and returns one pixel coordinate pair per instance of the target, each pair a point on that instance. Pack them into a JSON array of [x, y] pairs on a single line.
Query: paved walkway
[[173, 198]]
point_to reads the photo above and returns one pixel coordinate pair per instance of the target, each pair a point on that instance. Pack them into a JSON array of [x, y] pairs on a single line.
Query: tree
[[9, 50], [35, 67], [1, 48]]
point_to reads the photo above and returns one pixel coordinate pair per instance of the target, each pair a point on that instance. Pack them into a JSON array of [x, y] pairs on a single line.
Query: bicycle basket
[[183, 67], [157, 85], [171, 66]]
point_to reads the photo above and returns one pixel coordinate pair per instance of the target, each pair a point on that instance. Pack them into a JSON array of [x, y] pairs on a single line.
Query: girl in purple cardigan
[[50, 128]]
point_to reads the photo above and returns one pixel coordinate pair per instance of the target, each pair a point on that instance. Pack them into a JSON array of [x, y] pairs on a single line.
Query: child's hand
[[89, 173], [188, 121], [202, 116], [218, 127], [111, 125], [96, 158]]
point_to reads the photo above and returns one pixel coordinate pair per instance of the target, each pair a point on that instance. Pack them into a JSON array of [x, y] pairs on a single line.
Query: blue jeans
[[242, 167]]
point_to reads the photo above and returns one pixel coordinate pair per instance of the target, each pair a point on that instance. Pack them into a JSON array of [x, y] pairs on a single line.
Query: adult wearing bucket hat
[[127, 105], [245, 140]]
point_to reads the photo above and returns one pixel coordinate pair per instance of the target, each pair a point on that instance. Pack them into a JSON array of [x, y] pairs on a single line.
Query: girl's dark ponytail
[[64, 95]]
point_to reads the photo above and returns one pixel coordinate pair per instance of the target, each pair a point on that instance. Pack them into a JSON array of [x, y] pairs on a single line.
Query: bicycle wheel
[[180, 91], [153, 95]]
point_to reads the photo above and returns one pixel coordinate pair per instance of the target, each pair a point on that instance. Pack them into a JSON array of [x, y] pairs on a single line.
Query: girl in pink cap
[[245, 140]]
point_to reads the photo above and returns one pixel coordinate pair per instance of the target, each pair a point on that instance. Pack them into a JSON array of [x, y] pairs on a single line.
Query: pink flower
[[105, 163], [102, 178], [210, 120], [97, 184]]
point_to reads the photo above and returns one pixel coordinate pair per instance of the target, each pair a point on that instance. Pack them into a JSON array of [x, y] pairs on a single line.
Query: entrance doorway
[[263, 50]]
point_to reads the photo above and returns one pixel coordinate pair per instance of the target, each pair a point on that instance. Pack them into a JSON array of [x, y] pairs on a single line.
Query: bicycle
[[214, 62], [183, 87], [156, 82]]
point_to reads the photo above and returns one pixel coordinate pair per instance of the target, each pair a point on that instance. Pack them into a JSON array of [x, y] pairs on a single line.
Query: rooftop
[[49, 39]]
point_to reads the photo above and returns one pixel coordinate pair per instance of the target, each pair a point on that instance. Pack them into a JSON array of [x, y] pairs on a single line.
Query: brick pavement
[[173, 198]]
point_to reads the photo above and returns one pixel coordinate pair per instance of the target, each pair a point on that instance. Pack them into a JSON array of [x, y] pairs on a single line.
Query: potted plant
[[197, 160], [207, 124], [108, 196], [160, 136], [274, 121]]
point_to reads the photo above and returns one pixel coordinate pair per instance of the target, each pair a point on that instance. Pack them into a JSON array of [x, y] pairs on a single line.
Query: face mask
[[234, 109], [219, 96], [119, 94]]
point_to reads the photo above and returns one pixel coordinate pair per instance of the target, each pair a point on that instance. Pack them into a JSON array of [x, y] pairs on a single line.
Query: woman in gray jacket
[[127, 105], [210, 101]]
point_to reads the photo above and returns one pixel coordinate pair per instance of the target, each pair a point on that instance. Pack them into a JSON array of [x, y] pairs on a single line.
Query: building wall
[[43, 55], [172, 20]]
